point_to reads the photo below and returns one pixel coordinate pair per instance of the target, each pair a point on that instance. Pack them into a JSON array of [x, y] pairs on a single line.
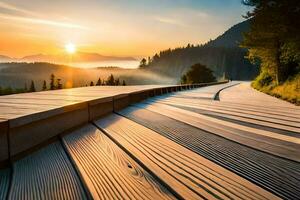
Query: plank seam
[[163, 183], [83, 183]]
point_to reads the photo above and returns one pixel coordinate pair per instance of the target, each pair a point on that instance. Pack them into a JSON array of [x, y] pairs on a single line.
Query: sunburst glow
[[70, 48]]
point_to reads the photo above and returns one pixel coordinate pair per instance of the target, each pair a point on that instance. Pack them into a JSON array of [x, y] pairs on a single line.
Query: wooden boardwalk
[[224, 141]]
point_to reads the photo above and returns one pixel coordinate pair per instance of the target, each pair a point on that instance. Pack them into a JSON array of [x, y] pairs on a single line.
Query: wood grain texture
[[107, 170], [276, 144], [189, 174], [278, 175], [4, 182], [46, 174]]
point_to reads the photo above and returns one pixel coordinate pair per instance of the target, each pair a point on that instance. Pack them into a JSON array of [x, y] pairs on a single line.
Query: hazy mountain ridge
[[79, 57], [222, 55]]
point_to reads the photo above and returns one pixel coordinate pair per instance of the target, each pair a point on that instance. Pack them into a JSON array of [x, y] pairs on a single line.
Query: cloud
[[170, 21], [27, 16]]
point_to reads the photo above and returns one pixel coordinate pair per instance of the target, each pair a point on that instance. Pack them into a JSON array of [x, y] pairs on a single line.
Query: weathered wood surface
[[244, 93], [4, 182], [107, 170], [278, 175], [287, 124], [193, 176], [46, 174], [14, 106], [276, 144]]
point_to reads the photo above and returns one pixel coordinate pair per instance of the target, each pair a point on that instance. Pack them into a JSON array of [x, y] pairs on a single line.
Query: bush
[[198, 73]]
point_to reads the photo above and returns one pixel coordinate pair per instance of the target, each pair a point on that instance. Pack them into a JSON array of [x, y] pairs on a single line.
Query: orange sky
[[119, 28]]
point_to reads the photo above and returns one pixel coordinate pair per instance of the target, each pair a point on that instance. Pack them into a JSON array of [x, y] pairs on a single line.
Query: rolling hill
[[223, 55]]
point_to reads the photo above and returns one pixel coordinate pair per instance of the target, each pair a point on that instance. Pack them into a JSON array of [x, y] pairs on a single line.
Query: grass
[[288, 91]]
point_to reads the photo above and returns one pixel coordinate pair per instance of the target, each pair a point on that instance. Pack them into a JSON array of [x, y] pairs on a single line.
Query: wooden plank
[[46, 174], [192, 176], [283, 124], [3, 142], [245, 121], [253, 97], [4, 182], [107, 170], [278, 175], [276, 144], [24, 136], [290, 115]]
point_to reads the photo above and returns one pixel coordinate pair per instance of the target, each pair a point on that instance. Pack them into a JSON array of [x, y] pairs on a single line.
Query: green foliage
[[222, 55], [198, 73], [263, 80], [9, 90], [289, 90], [274, 37]]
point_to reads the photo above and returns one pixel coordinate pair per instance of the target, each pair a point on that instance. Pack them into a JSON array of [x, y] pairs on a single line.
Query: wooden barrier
[[30, 131]]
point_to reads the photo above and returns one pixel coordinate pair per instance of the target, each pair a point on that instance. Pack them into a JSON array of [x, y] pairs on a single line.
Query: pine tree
[[98, 82], [110, 80], [123, 83], [117, 82], [32, 87], [44, 86], [143, 63], [52, 82], [274, 37], [92, 83]]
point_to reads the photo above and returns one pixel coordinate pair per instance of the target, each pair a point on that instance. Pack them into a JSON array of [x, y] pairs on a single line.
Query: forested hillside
[[274, 43], [222, 55]]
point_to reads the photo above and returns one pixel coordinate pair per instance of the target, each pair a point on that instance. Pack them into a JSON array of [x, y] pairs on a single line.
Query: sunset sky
[[112, 27]]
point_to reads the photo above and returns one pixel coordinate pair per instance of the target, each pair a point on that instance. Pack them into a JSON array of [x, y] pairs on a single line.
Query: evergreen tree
[[92, 83], [110, 80], [117, 81], [52, 82], [44, 86], [32, 87], [123, 83], [274, 38], [143, 63], [98, 82]]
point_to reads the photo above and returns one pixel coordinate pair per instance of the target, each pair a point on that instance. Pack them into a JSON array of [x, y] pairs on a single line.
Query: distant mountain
[[5, 58], [232, 37], [222, 55], [79, 57]]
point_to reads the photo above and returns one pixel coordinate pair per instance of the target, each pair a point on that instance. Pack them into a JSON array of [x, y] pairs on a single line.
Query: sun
[[70, 48]]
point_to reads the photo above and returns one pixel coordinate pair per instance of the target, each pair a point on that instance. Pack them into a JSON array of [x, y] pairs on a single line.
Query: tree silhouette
[[32, 87], [143, 63], [44, 86], [92, 83], [98, 82], [198, 73], [110, 80], [117, 81], [123, 83], [52, 82]]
